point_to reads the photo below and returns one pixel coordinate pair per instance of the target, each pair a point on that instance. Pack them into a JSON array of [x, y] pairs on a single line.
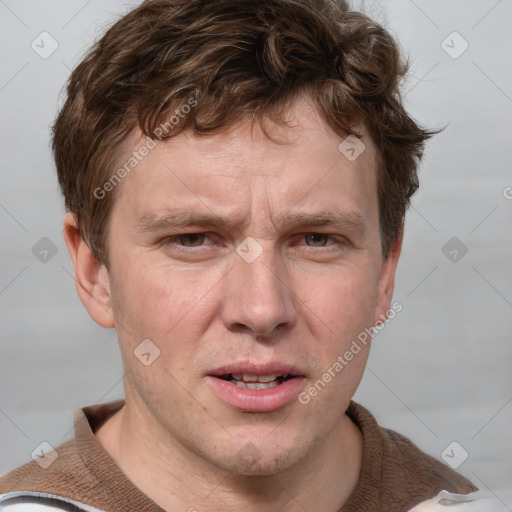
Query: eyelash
[[172, 239]]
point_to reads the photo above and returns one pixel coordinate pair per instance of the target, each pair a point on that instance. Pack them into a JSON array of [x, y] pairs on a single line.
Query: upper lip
[[251, 368]]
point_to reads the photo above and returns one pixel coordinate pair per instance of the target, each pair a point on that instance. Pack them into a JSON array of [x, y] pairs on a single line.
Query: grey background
[[438, 373]]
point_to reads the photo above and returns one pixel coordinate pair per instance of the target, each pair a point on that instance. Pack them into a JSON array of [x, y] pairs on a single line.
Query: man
[[236, 175]]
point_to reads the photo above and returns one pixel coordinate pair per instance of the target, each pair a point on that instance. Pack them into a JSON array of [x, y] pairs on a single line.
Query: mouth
[[251, 388], [257, 382]]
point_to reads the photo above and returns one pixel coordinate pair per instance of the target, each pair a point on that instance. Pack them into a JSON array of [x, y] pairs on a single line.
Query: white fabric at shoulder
[[448, 502], [26, 501]]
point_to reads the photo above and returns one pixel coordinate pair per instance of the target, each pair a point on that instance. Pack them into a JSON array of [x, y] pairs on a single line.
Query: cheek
[[160, 302], [339, 309], [340, 303], [164, 306]]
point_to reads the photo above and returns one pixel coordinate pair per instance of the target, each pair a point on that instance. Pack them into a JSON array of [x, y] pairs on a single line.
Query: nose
[[258, 299]]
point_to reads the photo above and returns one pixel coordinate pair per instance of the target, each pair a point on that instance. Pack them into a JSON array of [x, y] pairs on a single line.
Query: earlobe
[[91, 276], [387, 279]]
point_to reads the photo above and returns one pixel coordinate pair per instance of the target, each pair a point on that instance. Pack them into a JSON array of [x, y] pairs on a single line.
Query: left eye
[[188, 240], [317, 239]]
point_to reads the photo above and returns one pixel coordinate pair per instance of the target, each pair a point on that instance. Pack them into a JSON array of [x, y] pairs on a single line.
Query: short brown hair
[[236, 59]]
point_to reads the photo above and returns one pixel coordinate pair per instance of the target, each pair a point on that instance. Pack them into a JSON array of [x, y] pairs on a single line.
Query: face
[[243, 258]]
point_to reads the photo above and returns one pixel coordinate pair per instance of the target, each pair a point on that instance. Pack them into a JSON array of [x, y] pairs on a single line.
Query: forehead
[[300, 164]]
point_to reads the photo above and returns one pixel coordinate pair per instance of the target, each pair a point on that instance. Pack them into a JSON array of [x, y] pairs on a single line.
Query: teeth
[[256, 378], [255, 385], [266, 378]]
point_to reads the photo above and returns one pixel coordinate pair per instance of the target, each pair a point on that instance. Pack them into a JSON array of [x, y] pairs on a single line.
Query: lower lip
[[256, 400]]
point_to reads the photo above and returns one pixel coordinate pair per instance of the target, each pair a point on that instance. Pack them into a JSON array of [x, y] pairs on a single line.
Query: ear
[[387, 279], [91, 277]]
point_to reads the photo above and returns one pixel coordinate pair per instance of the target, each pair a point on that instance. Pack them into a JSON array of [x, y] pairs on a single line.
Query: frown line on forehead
[[181, 218]]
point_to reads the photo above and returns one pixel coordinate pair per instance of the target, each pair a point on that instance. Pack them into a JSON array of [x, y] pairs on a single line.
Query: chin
[[260, 459]]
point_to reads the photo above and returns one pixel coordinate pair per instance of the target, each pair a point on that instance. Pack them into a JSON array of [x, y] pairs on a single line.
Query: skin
[[302, 301]]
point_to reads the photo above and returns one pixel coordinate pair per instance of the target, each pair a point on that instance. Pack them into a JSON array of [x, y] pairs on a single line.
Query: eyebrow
[[182, 219]]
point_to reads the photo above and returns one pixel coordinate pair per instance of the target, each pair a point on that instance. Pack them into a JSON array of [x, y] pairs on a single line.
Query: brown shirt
[[395, 475]]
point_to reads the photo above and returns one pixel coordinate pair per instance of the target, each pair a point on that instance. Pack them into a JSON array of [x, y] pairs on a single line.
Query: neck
[[176, 478]]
